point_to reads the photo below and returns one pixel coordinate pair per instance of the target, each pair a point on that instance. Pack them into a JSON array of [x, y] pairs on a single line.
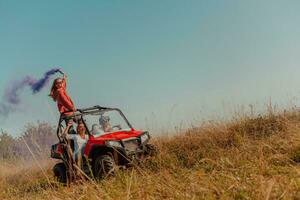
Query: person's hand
[[70, 123], [118, 127]]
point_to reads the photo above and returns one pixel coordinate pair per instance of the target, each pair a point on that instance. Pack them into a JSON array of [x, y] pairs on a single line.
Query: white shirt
[[79, 143]]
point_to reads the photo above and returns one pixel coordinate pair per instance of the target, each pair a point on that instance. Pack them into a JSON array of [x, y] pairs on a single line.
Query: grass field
[[246, 158]]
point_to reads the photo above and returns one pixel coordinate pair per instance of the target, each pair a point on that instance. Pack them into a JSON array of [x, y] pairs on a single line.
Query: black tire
[[151, 150], [104, 166], [60, 172]]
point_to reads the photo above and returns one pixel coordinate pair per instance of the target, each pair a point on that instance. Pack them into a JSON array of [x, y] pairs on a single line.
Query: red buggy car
[[116, 144]]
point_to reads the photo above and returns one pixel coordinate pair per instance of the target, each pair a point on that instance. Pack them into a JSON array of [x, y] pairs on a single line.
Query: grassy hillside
[[246, 158]]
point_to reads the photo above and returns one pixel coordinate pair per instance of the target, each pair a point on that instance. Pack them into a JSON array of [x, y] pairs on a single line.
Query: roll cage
[[79, 113]]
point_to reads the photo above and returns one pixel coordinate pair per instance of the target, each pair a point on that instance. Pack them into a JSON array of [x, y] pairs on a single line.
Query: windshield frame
[[80, 113], [98, 112]]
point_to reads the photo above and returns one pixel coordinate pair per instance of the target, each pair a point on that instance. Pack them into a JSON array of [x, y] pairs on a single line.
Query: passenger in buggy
[[80, 139], [97, 130]]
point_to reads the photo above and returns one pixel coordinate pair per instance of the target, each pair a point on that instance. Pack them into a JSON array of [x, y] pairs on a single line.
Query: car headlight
[[113, 143], [145, 137]]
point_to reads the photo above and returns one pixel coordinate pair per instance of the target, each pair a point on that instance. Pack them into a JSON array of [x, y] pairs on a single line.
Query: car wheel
[[60, 172], [104, 166]]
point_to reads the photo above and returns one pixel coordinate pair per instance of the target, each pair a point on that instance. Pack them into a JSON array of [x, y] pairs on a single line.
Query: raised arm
[[65, 132], [64, 83]]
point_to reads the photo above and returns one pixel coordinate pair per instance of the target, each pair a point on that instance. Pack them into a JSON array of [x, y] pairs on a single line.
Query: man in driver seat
[[104, 122], [106, 126]]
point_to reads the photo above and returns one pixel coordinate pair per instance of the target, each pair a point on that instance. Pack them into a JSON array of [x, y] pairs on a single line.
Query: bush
[[261, 126], [39, 138]]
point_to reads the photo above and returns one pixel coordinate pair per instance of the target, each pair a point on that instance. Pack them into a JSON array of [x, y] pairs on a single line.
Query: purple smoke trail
[[11, 96], [38, 85], [5, 109]]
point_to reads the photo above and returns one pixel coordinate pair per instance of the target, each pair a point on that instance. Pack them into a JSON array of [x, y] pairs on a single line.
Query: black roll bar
[[80, 112]]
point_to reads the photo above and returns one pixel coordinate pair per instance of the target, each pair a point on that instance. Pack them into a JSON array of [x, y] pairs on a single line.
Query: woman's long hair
[[53, 91]]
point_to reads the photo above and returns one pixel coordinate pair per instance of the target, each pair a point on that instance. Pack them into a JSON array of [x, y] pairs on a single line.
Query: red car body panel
[[119, 135]]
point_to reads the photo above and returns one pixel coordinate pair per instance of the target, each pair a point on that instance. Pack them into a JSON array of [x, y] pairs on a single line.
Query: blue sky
[[162, 62]]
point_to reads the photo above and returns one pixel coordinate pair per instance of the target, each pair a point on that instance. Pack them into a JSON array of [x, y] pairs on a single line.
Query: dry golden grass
[[247, 158]]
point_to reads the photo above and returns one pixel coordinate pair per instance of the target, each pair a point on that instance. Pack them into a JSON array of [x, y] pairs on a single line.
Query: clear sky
[[161, 61]]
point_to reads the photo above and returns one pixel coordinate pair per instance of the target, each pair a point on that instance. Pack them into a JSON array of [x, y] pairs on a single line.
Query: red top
[[64, 102]]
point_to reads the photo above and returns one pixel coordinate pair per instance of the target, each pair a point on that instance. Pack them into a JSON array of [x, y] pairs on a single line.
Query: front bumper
[[130, 147]]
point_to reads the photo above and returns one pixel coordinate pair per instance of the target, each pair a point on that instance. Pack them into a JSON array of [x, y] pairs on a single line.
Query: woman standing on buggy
[[59, 94]]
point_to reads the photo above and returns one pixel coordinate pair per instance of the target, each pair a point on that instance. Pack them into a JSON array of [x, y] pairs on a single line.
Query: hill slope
[[247, 158]]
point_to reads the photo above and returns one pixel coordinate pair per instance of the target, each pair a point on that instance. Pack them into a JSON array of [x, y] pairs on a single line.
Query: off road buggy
[[119, 145]]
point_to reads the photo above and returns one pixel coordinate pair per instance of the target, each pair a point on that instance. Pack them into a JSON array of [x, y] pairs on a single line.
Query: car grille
[[131, 145]]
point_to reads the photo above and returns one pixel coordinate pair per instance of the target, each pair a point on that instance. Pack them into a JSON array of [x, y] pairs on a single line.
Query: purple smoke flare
[[38, 85], [11, 97]]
